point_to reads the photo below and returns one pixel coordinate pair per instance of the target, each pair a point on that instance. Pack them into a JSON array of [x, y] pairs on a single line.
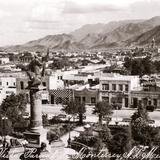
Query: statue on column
[[35, 70]]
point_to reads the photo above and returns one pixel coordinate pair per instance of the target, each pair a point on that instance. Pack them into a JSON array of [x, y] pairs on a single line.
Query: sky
[[25, 20]]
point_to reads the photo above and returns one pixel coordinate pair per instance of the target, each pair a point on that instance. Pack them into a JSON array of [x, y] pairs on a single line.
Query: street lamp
[[69, 138], [3, 127], [116, 116]]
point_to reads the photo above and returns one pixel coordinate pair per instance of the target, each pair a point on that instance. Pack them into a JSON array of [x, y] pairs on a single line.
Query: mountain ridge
[[97, 36]]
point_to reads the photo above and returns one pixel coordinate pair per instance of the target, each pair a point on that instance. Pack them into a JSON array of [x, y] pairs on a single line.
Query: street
[[118, 115]]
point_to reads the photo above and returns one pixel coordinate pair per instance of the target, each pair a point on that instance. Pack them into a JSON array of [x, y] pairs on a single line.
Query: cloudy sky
[[24, 20]]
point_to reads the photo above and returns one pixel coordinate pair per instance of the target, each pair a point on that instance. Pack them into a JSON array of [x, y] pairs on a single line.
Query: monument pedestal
[[35, 135]]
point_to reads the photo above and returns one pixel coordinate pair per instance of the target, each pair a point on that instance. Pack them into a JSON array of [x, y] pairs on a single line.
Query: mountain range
[[124, 33]]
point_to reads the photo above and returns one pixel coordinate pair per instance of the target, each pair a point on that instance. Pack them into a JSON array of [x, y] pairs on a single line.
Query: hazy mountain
[[59, 41], [113, 34], [99, 28], [90, 39], [118, 36], [80, 33], [145, 38]]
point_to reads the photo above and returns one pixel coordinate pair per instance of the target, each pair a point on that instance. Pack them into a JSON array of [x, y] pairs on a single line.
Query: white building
[[4, 60], [7, 87], [116, 89]]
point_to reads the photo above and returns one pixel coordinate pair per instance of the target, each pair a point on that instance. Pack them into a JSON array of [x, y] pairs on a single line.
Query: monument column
[[36, 110]]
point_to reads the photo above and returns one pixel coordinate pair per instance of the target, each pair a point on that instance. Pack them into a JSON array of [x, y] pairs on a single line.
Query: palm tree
[[73, 108], [102, 108], [80, 111]]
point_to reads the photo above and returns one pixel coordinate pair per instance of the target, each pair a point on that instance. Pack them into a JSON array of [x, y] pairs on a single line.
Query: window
[[83, 99], [155, 102], [93, 100], [120, 87], [60, 77], [114, 87], [105, 86], [14, 83], [22, 85], [44, 84], [126, 87], [126, 102], [7, 83], [0, 83]]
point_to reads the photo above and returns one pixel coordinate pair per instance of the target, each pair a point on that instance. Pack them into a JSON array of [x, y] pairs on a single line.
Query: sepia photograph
[[80, 80]]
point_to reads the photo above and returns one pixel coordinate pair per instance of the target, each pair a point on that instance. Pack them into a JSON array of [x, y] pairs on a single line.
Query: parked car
[[62, 117], [116, 106], [26, 115], [77, 117], [126, 120], [151, 121], [150, 108]]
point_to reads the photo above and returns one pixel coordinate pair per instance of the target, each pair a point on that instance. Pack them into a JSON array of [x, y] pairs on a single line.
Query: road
[[53, 110]]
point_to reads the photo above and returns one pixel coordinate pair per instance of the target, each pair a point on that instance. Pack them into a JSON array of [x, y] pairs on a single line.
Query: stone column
[[36, 110]]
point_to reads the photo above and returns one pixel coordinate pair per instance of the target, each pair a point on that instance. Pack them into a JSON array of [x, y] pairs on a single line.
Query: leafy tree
[[127, 63], [157, 66], [14, 107], [121, 142], [73, 108], [141, 113], [106, 134], [142, 133], [102, 108], [61, 63], [139, 66], [45, 119]]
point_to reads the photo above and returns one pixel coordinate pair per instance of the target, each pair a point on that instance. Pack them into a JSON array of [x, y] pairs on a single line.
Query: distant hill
[[59, 41], [98, 36], [145, 38], [99, 28]]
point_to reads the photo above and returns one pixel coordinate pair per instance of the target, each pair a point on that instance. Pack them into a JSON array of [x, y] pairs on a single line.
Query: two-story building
[[148, 94], [116, 89]]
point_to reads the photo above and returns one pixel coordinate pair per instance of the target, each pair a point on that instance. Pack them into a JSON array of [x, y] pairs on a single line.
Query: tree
[[121, 141], [140, 66], [14, 107], [61, 63], [142, 133], [73, 108], [102, 108], [141, 113]]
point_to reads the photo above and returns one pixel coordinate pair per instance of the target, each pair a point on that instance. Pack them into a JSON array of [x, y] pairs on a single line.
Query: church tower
[[153, 44]]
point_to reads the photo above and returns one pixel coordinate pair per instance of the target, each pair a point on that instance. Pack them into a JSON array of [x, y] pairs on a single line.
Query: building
[[51, 83], [7, 87], [148, 94], [116, 89], [86, 95], [59, 96], [4, 60]]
